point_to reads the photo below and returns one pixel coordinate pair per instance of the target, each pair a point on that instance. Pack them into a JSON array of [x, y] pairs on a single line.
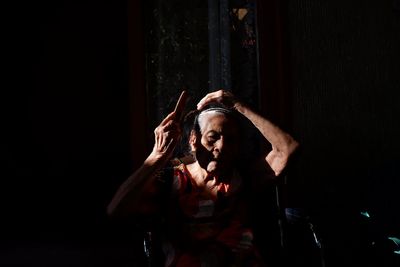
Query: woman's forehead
[[216, 121]]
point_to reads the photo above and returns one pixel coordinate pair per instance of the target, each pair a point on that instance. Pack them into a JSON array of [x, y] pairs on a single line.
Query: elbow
[[114, 208], [278, 158], [110, 210], [115, 212], [293, 146], [290, 146]]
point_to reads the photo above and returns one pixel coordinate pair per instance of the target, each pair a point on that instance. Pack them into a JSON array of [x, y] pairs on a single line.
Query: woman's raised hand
[[223, 97], [168, 133], [166, 136]]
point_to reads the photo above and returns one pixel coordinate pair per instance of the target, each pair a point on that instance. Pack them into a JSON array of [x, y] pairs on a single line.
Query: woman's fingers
[[225, 98], [206, 100], [166, 135]]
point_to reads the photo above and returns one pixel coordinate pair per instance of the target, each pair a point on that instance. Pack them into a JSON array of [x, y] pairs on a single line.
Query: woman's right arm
[[138, 194]]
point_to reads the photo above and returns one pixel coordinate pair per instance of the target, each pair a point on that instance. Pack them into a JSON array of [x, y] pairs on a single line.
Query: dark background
[[74, 110], [67, 128], [344, 93]]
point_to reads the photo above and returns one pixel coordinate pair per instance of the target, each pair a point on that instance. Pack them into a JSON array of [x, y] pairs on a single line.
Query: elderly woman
[[204, 200]]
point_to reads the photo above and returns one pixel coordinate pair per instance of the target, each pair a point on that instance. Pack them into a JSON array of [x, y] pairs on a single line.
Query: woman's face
[[216, 147]]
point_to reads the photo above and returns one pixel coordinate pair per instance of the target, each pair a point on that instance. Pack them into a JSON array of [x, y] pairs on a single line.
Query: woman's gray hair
[[199, 118]]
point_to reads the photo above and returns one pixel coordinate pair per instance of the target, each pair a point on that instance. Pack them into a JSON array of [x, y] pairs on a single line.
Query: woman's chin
[[217, 168], [212, 167]]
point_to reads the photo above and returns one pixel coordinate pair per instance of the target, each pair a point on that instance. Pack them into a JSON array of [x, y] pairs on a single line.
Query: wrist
[[239, 107], [155, 159]]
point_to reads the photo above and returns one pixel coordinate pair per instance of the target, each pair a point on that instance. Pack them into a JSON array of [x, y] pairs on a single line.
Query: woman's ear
[[192, 141]]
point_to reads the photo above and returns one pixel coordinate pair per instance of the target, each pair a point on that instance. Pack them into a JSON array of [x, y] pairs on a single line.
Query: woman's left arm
[[283, 145]]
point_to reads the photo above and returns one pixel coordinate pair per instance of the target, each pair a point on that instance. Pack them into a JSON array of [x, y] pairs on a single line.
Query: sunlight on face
[[217, 145]]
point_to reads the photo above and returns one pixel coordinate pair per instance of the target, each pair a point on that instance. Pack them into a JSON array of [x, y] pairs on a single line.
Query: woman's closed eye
[[212, 137]]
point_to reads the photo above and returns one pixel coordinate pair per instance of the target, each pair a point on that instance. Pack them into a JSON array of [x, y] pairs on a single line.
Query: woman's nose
[[219, 144]]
